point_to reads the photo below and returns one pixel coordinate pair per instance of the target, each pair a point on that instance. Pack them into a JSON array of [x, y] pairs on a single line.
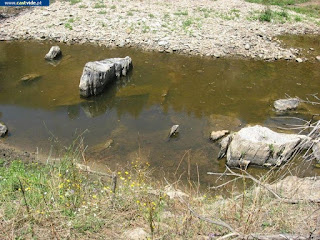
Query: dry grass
[[60, 201]]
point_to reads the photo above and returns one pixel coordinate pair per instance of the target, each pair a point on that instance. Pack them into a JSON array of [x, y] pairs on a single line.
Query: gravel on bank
[[205, 27]]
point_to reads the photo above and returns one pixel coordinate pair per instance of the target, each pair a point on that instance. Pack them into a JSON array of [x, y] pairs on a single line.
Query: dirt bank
[[207, 28]]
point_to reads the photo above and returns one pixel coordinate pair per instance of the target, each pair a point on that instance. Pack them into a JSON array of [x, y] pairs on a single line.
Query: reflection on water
[[136, 112]]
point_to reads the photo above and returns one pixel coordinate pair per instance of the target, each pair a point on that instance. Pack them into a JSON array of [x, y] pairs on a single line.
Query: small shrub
[[266, 15]]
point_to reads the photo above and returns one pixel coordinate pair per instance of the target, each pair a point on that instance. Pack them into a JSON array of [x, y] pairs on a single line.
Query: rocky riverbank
[[206, 28]]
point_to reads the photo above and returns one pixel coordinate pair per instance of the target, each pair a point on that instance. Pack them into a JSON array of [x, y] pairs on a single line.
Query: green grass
[[68, 26], [269, 15], [113, 7], [309, 11], [278, 2], [129, 13], [99, 5], [72, 2], [187, 23], [102, 12], [181, 13]]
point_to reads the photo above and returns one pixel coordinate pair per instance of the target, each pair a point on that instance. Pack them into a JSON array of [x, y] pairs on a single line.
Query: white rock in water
[[174, 129], [318, 58], [286, 104], [262, 146], [299, 60], [53, 53], [96, 75], [3, 130]]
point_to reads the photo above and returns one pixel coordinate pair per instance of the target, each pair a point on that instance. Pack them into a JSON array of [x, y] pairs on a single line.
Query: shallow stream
[[131, 120]]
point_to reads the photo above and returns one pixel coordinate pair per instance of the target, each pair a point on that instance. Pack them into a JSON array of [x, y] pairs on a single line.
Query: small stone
[[215, 135], [54, 53], [299, 60], [318, 58], [163, 43], [174, 130], [247, 46], [3, 130], [311, 49]]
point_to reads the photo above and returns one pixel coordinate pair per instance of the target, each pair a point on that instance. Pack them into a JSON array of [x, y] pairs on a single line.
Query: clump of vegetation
[[72, 2], [99, 5], [269, 15], [65, 199], [181, 13], [309, 11], [278, 2], [68, 26]]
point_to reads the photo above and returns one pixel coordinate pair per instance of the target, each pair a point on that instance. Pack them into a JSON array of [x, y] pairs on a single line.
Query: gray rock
[[224, 144], [30, 77], [96, 75], [174, 130], [3, 130], [261, 146], [316, 150], [299, 60], [136, 234], [215, 135], [318, 58], [286, 104], [54, 53], [163, 43]]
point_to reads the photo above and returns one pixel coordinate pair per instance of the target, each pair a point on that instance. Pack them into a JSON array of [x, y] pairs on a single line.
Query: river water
[[131, 120]]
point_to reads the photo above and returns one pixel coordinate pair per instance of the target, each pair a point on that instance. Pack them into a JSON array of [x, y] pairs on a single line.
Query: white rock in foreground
[[53, 53], [96, 75], [261, 146]]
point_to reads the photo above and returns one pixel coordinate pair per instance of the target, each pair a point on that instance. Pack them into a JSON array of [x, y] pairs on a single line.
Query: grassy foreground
[[61, 201]]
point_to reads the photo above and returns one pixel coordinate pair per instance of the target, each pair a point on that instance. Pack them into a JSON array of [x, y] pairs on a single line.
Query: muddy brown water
[[131, 120]]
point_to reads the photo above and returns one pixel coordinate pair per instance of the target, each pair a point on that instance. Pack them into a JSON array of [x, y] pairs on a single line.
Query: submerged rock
[[286, 104], [260, 146], [216, 122], [3, 130], [54, 53], [30, 77], [96, 75], [318, 58], [215, 135]]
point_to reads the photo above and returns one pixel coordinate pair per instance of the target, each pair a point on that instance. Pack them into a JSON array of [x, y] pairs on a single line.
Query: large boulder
[[96, 75], [53, 53], [286, 104], [260, 146]]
